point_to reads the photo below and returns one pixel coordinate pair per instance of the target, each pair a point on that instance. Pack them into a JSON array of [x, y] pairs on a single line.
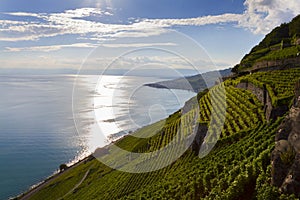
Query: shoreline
[[37, 187], [76, 161]]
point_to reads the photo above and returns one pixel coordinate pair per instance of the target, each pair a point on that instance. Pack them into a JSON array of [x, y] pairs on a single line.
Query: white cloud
[[76, 13], [24, 14], [261, 16], [108, 13], [50, 47], [198, 21], [15, 39], [84, 45], [49, 25], [73, 22], [81, 12]]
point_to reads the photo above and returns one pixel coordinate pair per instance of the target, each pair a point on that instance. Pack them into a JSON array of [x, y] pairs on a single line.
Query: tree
[[63, 167]]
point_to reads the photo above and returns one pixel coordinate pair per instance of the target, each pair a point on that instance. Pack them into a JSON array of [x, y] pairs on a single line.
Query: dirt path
[[78, 184]]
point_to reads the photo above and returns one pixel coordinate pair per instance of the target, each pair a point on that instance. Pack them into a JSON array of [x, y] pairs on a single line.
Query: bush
[[63, 167]]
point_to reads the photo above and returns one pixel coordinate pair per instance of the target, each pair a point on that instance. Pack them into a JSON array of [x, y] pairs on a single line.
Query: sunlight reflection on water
[[121, 104]]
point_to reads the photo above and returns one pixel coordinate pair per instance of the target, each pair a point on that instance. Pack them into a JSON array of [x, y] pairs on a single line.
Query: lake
[[38, 114]]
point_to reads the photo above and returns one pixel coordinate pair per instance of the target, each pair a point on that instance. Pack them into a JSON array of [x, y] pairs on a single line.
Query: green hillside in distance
[[196, 83], [240, 166], [281, 43]]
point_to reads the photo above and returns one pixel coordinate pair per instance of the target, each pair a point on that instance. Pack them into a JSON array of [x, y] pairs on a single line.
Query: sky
[[71, 34]]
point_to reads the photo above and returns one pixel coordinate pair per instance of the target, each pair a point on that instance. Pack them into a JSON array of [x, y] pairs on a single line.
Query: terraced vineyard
[[225, 173], [237, 166], [243, 112], [280, 84]]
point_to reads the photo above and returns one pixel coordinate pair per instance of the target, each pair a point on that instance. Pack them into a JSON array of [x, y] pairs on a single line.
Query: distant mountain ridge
[[194, 83]]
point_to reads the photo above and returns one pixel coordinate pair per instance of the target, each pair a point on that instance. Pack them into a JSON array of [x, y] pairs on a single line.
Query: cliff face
[[286, 155]]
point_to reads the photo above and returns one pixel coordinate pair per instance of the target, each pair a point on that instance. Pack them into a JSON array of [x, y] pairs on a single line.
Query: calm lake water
[[37, 129]]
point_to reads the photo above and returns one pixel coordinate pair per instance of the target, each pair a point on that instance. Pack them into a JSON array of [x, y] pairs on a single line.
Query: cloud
[[50, 25], [50, 47], [76, 22], [85, 45], [76, 13], [23, 14], [198, 21], [261, 16]]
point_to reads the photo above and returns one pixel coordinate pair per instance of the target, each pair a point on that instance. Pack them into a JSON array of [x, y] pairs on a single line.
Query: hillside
[[195, 83], [237, 168], [225, 137], [281, 44]]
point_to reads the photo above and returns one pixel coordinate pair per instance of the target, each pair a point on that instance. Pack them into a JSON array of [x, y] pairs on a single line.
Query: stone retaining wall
[[263, 96], [276, 64]]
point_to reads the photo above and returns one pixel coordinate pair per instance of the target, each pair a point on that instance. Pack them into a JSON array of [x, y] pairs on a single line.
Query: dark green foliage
[[289, 52], [63, 167], [294, 28], [274, 37]]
